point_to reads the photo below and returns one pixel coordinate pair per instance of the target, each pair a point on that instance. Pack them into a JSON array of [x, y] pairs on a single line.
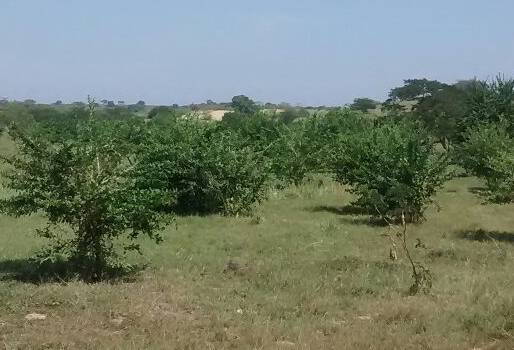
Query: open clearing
[[306, 272]]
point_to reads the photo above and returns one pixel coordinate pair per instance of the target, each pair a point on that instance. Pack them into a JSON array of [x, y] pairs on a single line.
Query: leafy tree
[[490, 102], [110, 104], [162, 112], [58, 103], [488, 153], [415, 88], [393, 168], [140, 103], [443, 113], [85, 183], [363, 104], [206, 168], [244, 105]]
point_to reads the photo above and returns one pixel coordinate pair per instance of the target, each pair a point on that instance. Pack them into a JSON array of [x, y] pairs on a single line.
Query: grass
[[307, 271]]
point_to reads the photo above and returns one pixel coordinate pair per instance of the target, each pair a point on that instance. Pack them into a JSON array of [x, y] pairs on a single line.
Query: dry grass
[[307, 272]]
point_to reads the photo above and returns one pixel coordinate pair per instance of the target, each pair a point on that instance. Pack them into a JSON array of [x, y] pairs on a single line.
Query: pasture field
[[306, 271]]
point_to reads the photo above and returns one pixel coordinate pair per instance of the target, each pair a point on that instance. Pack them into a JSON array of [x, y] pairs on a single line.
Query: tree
[[291, 114], [140, 103], [414, 89], [110, 104], [443, 112], [104, 102], [207, 169], [58, 103], [121, 103], [29, 101], [244, 105], [363, 104], [88, 184], [393, 168]]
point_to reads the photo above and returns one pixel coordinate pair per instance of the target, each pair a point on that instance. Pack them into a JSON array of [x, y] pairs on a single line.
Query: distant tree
[[415, 88], [291, 114], [210, 102], [58, 103], [160, 111], [140, 103], [104, 102], [78, 104], [175, 105], [29, 101], [363, 104], [121, 103], [110, 104], [244, 105], [3, 101], [443, 112]]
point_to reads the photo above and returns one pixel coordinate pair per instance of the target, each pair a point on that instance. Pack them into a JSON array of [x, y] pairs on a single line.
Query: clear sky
[[299, 51]]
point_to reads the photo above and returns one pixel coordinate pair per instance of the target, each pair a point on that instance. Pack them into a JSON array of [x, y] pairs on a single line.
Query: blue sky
[[309, 52]]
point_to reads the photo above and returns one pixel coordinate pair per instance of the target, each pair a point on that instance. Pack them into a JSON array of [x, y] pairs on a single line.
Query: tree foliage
[[415, 88], [244, 105], [86, 183], [207, 169], [393, 168], [363, 104]]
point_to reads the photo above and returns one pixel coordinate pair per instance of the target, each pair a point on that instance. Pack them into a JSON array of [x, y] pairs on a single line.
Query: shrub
[[393, 168], [206, 168], [86, 183], [488, 152]]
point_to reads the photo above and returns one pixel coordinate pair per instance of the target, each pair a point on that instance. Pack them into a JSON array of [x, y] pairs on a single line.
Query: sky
[[323, 52]]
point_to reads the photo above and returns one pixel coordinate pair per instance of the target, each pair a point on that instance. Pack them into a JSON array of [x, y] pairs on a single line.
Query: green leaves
[[86, 183], [392, 168], [203, 168], [488, 152]]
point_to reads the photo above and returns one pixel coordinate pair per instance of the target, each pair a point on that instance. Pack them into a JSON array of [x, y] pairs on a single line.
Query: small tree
[[206, 168], [363, 104], [86, 183], [488, 153], [393, 168], [244, 105]]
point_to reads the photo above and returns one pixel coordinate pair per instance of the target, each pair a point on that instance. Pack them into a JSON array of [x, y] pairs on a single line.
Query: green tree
[[488, 153], [207, 168], [393, 168], [363, 104], [413, 89], [87, 184], [244, 105], [443, 113]]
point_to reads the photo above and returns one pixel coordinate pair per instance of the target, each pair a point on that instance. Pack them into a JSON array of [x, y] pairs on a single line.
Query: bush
[[86, 183], [207, 169], [488, 152], [393, 168]]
